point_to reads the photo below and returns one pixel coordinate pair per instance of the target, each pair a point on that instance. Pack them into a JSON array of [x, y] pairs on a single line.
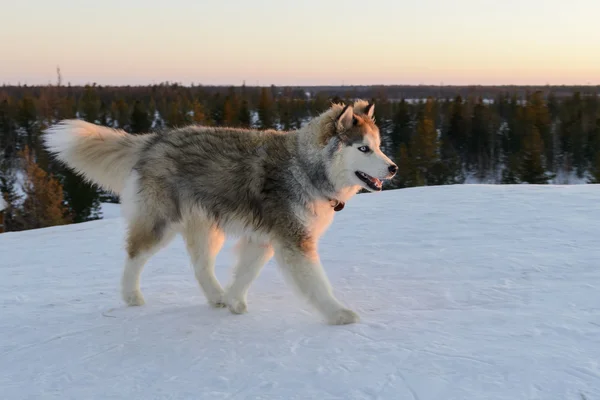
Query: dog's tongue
[[375, 181]]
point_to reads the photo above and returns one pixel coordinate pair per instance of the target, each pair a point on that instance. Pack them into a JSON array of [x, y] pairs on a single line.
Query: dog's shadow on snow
[[155, 323]]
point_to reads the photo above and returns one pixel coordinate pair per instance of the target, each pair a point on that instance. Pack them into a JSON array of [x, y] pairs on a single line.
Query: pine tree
[[406, 173], [478, 156], [43, 205], [9, 139], [139, 120], [89, 104], [216, 110], [27, 120], [424, 147], [67, 108], [533, 169], [512, 171], [595, 171], [199, 116], [266, 109], [82, 198], [104, 115], [573, 133], [230, 112], [186, 116], [120, 114], [457, 133], [401, 124], [8, 192], [231, 108], [285, 113], [542, 120], [449, 170], [244, 115]]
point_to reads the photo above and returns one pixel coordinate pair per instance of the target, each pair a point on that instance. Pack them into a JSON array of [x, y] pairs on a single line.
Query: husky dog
[[276, 190]]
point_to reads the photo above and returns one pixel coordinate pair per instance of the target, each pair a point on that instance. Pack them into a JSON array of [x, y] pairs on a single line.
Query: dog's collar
[[337, 205]]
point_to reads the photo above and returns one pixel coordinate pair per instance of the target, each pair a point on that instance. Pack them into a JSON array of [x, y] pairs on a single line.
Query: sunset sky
[[304, 42]]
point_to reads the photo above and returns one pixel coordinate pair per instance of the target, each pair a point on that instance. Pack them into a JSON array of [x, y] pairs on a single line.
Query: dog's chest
[[320, 217]]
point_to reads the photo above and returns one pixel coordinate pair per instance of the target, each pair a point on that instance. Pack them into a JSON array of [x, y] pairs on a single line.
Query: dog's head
[[354, 143]]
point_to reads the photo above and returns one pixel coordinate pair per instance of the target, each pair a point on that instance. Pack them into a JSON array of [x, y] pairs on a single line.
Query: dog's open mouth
[[372, 183]]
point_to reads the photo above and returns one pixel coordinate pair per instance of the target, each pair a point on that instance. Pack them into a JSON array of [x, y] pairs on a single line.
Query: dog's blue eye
[[364, 149]]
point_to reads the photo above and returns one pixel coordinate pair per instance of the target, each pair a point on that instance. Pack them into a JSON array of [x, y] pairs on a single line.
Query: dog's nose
[[393, 169]]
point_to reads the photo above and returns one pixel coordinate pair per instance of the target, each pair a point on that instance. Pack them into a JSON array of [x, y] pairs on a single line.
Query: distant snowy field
[[465, 292]]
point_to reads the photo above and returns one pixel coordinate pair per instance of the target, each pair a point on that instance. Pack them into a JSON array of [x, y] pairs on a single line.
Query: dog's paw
[[217, 303], [216, 299], [237, 306], [134, 298], [343, 317]]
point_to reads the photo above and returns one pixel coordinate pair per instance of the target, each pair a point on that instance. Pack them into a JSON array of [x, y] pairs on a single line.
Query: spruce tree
[[533, 169], [82, 198], [457, 133], [478, 155], [406, 173], [285, 113], [402, 125], [120, 114], [230, 112], [27, 119], [266, 113], [542, 120], [245, 118], [139, 120], [595, 171], [9, 139], [231, 108], [512, 171], [199, 115], [8, 192], [89, 104], [448, 171], [216, 110], [424, 147]]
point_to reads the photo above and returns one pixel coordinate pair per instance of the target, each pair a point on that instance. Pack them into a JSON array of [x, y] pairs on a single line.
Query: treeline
[[541, 136]]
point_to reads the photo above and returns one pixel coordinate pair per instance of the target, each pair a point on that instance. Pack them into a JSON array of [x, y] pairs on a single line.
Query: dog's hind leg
[[300, 263], [203, 243], [252, 256], [145, 238]]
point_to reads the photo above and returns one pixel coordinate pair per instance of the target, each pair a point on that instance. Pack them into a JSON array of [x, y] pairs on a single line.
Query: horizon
[[432, 43]]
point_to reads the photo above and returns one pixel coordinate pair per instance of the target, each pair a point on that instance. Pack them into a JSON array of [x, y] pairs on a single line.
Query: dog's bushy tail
[[102, 155]]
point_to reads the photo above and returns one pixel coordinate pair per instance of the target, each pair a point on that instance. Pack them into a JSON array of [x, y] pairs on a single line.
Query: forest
[[436, 135]]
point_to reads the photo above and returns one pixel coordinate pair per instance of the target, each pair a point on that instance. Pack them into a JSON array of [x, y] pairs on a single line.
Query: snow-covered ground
[[465, 292], [110, 210]]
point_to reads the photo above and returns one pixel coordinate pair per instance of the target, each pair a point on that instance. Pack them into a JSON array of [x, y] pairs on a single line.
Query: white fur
[[374, 163], [75, 143], [128, 196], [306, 275], [252, 256], [345, 120], [203, 243], [130, 281]]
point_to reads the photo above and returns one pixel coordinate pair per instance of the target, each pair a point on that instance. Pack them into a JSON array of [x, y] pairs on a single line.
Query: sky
[[307, 42]]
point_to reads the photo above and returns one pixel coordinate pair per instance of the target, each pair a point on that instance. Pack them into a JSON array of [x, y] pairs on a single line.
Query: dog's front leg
[[300, 263], [253, 255]]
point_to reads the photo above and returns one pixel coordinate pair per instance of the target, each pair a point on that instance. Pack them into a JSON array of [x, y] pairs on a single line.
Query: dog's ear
[[370, 110], [346, 119]]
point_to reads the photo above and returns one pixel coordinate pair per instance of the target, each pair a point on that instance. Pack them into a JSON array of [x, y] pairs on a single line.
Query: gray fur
[[272, 188]]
